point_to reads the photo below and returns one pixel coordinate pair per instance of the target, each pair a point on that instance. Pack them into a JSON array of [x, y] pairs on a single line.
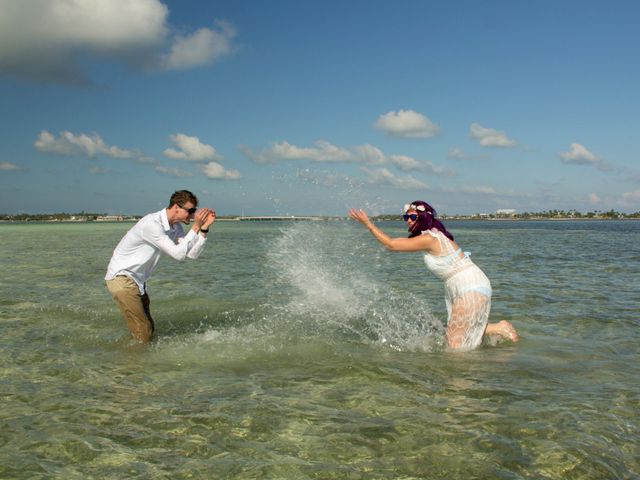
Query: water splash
[[322, 284], [329, 279]]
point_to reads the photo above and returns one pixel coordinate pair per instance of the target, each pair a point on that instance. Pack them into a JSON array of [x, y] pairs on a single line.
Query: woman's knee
[[455, 342]]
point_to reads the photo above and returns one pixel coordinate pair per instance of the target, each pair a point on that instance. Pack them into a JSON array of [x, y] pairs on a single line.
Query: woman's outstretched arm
[[419, 243]]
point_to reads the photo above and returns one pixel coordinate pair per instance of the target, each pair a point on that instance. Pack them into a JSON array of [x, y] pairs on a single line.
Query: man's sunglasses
[[411, 216], [191, 210]]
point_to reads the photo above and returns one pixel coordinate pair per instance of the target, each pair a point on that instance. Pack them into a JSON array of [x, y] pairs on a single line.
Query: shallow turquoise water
[[304, 350]]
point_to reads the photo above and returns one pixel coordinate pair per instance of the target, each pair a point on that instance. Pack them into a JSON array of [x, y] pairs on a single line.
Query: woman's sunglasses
[[411, 216]]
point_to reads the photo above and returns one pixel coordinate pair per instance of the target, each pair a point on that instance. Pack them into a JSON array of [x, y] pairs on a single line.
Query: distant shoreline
[[470, 218]]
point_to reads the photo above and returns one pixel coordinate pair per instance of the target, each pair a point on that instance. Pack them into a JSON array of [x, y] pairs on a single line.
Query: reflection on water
[[303, 350]]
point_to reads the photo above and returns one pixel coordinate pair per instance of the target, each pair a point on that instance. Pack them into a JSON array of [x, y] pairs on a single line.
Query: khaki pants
[[133, 306]]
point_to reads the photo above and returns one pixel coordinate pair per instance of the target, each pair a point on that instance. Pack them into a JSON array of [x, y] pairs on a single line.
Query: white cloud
[[54, 40], [217, 171], [326, 152], [193, 150], [322, 152], [407, 164], [456, 153], [369, 154], [490, 137], [406, 124], [203, 47], [579, 155], [82, 145], [190, 149], [6, 166], [382, 176]]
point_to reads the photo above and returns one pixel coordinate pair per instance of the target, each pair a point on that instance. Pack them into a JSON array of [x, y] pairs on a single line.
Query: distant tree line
[[42, 217], [611, 214], [54, 217], [547, 214]]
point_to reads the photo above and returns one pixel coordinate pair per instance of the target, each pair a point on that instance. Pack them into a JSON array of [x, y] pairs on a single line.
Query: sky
[[301, 107]]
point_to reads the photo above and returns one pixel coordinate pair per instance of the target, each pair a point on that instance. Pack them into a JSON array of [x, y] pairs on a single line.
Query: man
[[137, 255]]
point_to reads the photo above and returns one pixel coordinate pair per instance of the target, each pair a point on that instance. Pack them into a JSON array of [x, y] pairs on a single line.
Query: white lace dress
[[467, 293]]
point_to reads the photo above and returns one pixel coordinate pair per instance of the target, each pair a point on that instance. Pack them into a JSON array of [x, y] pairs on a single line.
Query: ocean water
[[304, 350]]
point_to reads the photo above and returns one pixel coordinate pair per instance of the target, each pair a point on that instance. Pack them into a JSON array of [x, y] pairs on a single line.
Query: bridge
[[278, 217]]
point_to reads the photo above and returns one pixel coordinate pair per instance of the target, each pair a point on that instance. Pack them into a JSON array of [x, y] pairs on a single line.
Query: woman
[[467, 288]]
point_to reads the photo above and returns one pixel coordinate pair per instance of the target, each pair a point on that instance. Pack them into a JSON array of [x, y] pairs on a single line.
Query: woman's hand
[[419, 243], [359, 216]]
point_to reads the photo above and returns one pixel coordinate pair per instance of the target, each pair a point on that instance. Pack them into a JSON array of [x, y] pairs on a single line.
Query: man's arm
[[154, 234], [206, 221]]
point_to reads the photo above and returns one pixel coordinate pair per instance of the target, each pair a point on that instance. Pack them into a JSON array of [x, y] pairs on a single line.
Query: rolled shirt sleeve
[[176, 243], [196, 248]]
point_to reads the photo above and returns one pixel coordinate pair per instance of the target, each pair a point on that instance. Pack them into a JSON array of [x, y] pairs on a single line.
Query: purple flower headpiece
[[426, 219]]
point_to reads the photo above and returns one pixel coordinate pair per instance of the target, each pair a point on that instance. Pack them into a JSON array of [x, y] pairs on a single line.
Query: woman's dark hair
[[426, 219]]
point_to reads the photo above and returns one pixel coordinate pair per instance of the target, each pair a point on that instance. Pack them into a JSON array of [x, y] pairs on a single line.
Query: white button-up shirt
[[137, 254]]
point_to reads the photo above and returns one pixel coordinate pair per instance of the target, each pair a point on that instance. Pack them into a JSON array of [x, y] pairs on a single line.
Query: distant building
[[505, 212], [109, 218]]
